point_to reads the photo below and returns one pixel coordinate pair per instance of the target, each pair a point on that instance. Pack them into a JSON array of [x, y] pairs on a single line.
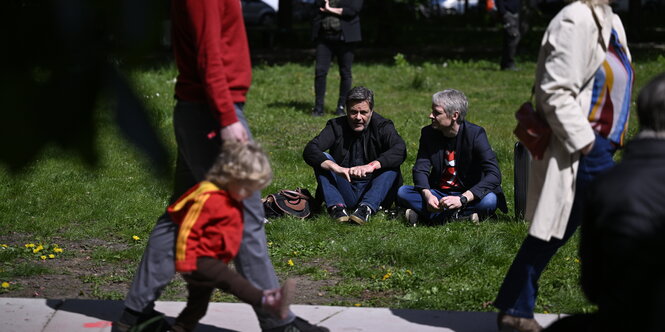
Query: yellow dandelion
[[58, 250], [136, 238], [270, 244], [42, 257], [51, 256], [4, 245], [30, 245], [577, 260], [409, 272], [290, 262], [5, 284], [357, 305], [386, 276]]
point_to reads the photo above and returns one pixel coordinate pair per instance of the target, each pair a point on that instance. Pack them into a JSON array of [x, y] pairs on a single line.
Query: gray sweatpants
[[192, 123]]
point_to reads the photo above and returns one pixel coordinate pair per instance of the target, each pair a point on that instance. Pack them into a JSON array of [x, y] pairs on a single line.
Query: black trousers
[[511, 38], [325, 50]]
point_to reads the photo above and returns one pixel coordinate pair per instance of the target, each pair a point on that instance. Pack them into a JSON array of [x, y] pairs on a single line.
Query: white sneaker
[[474, 217], [411, 217]]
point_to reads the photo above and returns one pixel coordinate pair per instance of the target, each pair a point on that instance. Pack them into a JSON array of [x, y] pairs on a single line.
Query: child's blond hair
[[246, 163]]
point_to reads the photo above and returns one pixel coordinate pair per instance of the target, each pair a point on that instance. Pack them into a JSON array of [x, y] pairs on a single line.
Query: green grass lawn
[[458, 266]]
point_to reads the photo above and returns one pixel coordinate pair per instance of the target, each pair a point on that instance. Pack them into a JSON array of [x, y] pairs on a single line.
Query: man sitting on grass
[[456, 174], [362, 165]]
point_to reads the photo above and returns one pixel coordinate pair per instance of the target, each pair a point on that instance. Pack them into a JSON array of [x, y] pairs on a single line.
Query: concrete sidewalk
[[32, 315]]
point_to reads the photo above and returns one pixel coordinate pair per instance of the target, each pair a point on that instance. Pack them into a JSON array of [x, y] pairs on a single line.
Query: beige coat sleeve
[[568, 47]]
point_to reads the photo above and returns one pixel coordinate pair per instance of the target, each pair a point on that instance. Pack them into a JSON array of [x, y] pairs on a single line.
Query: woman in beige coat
[[583, 89]]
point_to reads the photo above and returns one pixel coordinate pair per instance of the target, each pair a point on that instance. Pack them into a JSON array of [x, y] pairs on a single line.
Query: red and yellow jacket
[[211, 225]]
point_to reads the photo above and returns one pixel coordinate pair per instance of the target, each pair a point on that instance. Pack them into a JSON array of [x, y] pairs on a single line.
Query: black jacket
[[349, 21], [381, 141], [622, 245], [477, 166]]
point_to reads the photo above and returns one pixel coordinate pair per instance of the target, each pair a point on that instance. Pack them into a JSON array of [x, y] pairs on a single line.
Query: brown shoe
[[508, 323]]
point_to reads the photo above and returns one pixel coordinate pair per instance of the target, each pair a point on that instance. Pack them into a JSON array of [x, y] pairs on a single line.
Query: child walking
[[210, 231]]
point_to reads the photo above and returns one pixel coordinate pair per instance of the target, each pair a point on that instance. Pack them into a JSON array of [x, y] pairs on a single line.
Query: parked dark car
[[257, 12]]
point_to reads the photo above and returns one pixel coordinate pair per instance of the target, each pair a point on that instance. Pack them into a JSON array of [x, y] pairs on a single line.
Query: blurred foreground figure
[[623, 232]]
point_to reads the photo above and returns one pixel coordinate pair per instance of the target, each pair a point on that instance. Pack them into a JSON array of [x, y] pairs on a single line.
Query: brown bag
[[532, 130], [291, 202]]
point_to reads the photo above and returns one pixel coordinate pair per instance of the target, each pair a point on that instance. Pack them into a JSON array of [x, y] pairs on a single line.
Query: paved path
[[34, 315]]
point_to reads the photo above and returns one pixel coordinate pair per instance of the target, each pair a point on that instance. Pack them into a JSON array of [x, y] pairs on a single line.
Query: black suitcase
[[522, 159]]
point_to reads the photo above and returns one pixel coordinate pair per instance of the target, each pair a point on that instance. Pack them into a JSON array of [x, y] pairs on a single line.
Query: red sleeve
[[206, 19]]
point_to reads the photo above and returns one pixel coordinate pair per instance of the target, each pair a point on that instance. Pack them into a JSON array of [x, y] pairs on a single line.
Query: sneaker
[[316, 112], [474, 217], [361, 214], [411, 217], [338, 212], [508, 323], [340, 110], [131, 321], [299, 325]]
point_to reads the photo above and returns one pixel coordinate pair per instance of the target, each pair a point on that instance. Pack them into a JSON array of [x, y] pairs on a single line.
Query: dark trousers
[[211, 273], [511, 38], [325, 50]]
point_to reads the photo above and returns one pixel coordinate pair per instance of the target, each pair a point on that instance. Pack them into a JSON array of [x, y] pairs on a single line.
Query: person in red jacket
[[214, 76], [210, 227]]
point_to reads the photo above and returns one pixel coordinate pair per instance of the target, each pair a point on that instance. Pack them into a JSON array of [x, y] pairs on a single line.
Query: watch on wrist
[[463, 200]]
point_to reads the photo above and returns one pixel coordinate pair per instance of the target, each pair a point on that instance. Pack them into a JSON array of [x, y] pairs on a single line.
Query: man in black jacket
[[362, 165], [456, 173]]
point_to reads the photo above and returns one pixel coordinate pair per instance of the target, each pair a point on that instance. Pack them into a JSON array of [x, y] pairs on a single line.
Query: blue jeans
[[370, 191], [410, 198], [517, 295]]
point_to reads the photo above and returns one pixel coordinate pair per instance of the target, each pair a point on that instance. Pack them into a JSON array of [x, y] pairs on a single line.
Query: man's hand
[[361, 171], [234, 132], [451, 202], [432, 201], [327, 8], [337, 169], [343, 172]]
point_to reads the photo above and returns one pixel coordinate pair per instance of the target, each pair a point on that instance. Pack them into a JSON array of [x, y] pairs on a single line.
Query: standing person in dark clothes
[[336, 31], [214, 76], [361, 166], [509, 10]]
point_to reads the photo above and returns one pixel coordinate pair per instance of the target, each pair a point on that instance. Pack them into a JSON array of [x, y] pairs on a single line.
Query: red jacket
[[211, 225], [212, 54]]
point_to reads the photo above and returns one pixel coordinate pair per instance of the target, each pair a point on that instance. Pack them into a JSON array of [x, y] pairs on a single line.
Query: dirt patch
[[77, 275]]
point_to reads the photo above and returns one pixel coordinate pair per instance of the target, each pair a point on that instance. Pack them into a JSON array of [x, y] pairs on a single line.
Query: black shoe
[[132, 321], [338, 212], [299, 325], [316, 112], [340, 110], [361, 214]]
